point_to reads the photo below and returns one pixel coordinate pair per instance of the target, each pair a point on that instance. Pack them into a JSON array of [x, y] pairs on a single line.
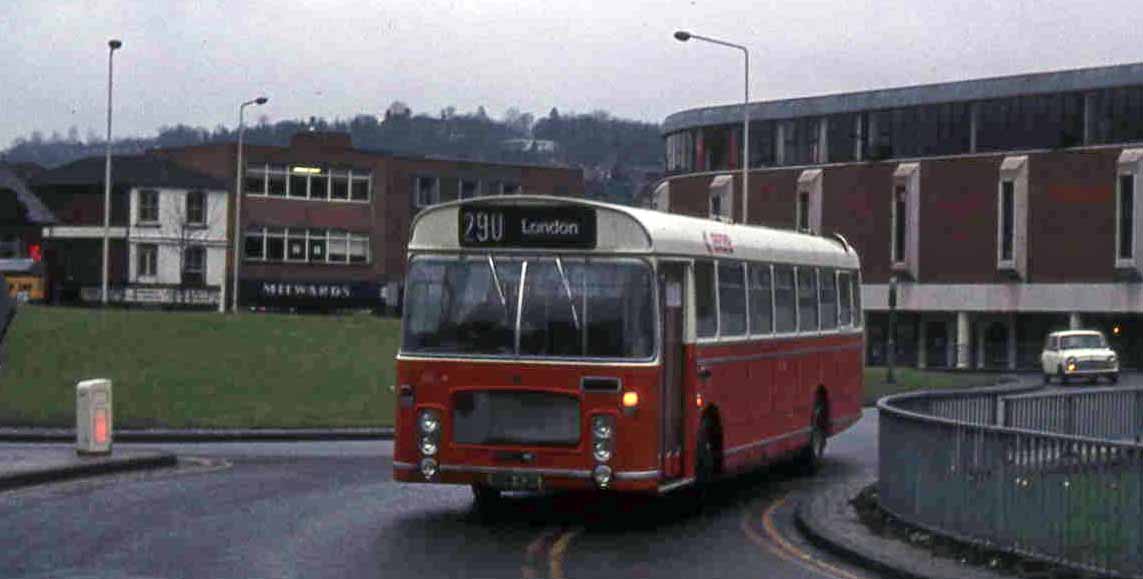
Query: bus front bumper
[[530, 478]]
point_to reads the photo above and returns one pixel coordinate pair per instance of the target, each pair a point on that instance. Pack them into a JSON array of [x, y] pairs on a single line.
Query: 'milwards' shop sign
[[310, 293]]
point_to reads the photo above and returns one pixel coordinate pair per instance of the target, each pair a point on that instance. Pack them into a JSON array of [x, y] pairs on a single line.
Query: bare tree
[[191, 222]]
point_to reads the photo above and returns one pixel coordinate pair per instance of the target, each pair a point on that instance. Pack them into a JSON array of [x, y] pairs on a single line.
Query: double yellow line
[[776, 544], [556, 541]]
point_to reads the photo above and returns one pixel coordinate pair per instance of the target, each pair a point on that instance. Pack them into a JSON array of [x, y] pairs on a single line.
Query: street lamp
[[683, 36], [238, 233], [112, 46]]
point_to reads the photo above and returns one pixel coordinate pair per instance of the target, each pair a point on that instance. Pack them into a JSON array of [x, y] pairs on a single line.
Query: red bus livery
[[562, 344]]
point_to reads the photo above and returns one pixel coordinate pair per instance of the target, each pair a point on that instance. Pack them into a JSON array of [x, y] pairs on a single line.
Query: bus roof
[[628, 230]]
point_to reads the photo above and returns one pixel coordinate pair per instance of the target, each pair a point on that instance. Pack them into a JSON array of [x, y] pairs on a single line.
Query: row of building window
[[1013, 123], [281, 244], [427, 189], [736, 299], [194, 209], [306, 182]]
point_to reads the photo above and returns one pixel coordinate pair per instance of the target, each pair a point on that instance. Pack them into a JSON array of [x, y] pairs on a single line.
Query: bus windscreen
[[570, 307]]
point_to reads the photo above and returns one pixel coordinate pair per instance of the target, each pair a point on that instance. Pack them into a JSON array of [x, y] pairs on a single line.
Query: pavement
[[204, 434], [27, 466]]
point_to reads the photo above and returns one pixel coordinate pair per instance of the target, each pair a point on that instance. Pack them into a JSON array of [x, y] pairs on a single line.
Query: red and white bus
[[551, 343]]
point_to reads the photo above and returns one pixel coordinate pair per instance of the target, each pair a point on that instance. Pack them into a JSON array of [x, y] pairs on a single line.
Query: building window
[[761, 300], [469, 189], [359, 186], [1007, 206], [706, 307], [299, 185], [900, 213], [1126, 221], [731, 299], [803, 223], [1011, 216], [339, 185], [146, 260], [296, 245], [317, 245], [358, 249], [807, 299], [721, 189], [275, 244], [254, 179], [254, 244], [196, 208], [319, 186], [785, 300], [194, 265], [426, 191], [509, 188], [148, 206], [276, 181]]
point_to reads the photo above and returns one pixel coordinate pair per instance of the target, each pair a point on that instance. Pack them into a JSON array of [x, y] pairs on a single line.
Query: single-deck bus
[[551, 343]]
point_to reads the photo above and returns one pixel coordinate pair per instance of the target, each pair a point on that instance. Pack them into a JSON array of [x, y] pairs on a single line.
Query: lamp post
[[683, 36], [891, 340], [112, 46], [238, 234]]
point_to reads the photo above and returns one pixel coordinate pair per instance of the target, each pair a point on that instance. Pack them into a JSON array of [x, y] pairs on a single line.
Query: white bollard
[[93, 417]]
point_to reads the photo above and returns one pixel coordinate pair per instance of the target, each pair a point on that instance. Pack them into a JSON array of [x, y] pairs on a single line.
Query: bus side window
[[731, 299], [828, 299], [807, 299], [785, 305], [846, 298], [706, 311], [761, 298], [858, 315]]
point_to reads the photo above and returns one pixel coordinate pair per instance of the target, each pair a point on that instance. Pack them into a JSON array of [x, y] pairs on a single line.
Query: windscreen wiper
[[496, 282], [567, 291]]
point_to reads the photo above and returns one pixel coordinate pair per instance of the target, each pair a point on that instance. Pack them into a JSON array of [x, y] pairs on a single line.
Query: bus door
[[672, 277]]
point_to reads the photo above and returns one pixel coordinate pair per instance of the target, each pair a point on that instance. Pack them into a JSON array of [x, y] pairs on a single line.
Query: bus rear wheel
[[810, 458]]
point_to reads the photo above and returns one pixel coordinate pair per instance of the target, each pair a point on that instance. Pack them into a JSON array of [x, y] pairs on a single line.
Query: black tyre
[[487, 500], [704, 454], [810, 458]]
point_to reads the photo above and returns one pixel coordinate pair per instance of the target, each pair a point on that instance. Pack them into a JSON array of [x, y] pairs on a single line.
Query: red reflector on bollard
[[99, 426]]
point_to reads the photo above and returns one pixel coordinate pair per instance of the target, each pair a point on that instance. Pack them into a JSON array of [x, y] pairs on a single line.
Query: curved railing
[[1057, 475]]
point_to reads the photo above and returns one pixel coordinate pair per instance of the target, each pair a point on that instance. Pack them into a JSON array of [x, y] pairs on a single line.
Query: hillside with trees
[[618, 156]]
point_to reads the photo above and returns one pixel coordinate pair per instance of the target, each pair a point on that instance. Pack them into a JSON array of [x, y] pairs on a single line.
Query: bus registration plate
[[516, 481]]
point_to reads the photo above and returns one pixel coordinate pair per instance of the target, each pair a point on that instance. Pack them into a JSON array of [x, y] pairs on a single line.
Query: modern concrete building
[[1005, 207]]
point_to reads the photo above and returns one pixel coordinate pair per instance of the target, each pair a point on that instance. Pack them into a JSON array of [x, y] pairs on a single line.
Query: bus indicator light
[[698, 400], [630, 399]]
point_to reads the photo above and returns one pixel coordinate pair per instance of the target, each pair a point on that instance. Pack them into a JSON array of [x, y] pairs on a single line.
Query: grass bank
[[909, 379], [182, 370]]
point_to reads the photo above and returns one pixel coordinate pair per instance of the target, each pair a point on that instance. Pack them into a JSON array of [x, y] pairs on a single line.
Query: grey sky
[[193, 62]]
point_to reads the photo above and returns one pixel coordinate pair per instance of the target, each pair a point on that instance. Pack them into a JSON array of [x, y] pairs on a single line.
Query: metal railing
[[1037, 474]]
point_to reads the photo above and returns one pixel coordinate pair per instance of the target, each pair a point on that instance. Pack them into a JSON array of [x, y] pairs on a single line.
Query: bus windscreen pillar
[[93, 417]]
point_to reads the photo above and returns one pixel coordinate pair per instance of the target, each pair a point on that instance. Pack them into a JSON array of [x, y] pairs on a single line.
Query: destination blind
[[483, 225]]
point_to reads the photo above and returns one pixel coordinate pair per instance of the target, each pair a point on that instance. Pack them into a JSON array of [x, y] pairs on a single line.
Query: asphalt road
[[331, 510]]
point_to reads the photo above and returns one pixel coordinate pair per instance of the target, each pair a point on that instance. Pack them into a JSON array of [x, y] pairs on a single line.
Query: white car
[[1078, 353]]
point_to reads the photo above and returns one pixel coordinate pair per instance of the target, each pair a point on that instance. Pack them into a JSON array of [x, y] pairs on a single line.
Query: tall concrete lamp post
[[683, 36], [238, 233], [112, 46]]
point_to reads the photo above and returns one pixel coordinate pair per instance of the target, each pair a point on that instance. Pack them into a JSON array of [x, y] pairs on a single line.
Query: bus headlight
[[602, 426], [429, 421], [1111, 360], [428, 446], [602, 476], [601, 450], [429, 468]]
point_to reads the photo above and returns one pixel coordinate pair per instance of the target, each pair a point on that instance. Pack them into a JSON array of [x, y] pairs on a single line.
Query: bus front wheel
[[487, 499]]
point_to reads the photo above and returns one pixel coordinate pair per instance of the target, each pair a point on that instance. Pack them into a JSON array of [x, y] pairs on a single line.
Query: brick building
[[325, 224], [1005, 207]]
